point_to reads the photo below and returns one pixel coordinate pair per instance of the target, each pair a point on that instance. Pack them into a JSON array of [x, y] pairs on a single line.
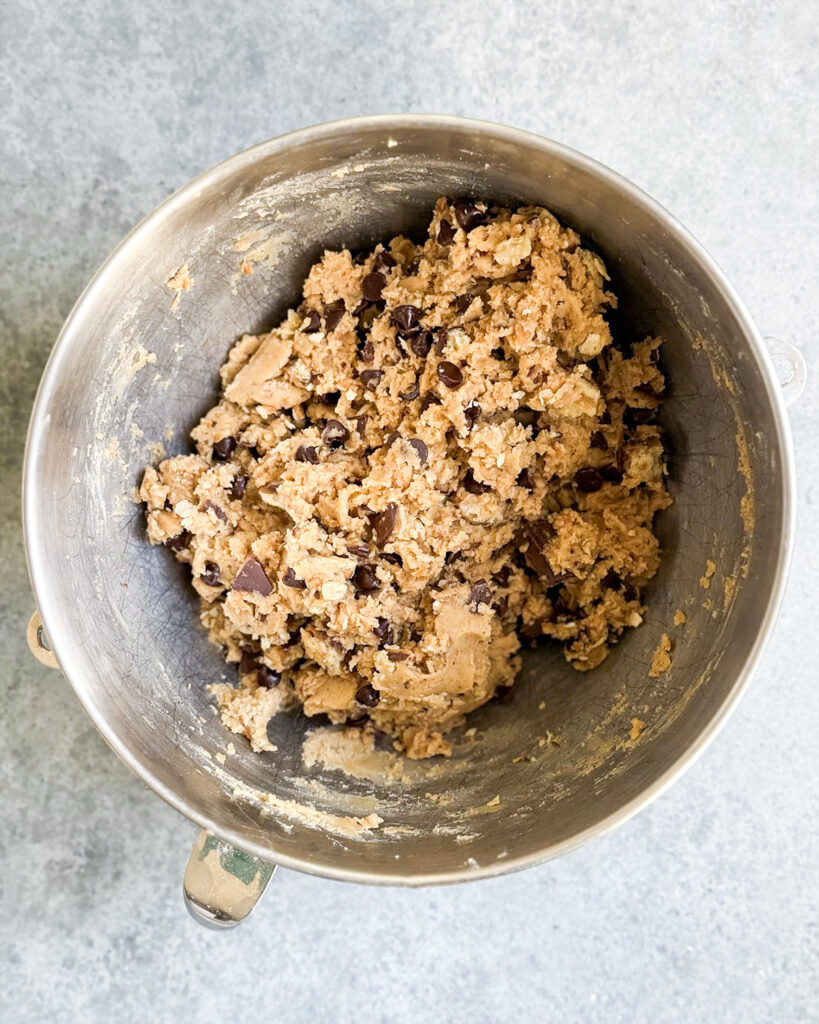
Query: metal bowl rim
[[38, 425]]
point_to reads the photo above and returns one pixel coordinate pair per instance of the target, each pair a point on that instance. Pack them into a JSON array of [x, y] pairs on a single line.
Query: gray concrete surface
[[702, 908]]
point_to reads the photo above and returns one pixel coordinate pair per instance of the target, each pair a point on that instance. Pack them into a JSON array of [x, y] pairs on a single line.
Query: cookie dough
[[439, 455]]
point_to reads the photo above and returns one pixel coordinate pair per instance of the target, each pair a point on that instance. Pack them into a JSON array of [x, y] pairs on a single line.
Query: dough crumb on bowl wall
[[441, 452]]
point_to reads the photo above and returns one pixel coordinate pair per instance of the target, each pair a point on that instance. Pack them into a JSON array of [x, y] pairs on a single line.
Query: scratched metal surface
[[709, 892]]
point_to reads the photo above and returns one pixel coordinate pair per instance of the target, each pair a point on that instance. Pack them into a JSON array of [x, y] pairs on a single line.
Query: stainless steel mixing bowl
[[136, 364]]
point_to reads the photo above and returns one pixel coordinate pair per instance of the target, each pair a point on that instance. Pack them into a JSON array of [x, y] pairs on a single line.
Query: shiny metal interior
[[123, 621]]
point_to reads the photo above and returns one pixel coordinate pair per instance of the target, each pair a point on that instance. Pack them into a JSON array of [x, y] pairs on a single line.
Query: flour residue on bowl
[[265, 249], [352, 826], [746, 502], [724, 380], [129, 364], [353, 752]]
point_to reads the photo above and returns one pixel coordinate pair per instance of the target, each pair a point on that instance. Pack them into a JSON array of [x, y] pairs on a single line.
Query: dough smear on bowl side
[[438, 455]]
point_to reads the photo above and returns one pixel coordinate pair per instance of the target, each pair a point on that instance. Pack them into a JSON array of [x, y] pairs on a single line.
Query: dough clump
[[440, 454]]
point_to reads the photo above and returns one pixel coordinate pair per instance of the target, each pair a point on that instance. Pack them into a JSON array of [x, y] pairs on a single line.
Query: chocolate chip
[[392, 558], [410, 394], [441, 339], [397, 655], [334, 434], [391, 439], [428, 400], [471, 414], [406, 318], [367, 353], [598, 440], [367, 695], [421, 344], [252, 577], [179, 542], [383, 524], [501, 577], [370, 378], [359, 550], [307, 453], [212, 575], [223, 449], [501, 606], [480, 594], [238, 488], [361, 425], [525, 417], [611, 473], [383, 630], [383, 261], [537, 535], [412, 268], [268, 677], [312, 322], [474, 486], [254, 452], [452, 556], [365, 580], [372, 286], [450, 375], [421, 450], [588, 480], [462, 303], [524, 479], [467, 214], [446, 233], [333, 312], [211, 506], [290, 579], [247, 663]]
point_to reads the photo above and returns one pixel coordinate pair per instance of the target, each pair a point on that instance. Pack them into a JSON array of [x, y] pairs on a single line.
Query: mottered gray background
[[702, 908]]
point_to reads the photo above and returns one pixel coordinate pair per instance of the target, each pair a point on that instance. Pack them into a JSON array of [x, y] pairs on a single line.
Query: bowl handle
[[222, 884], [38, 642], [790, 367]]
